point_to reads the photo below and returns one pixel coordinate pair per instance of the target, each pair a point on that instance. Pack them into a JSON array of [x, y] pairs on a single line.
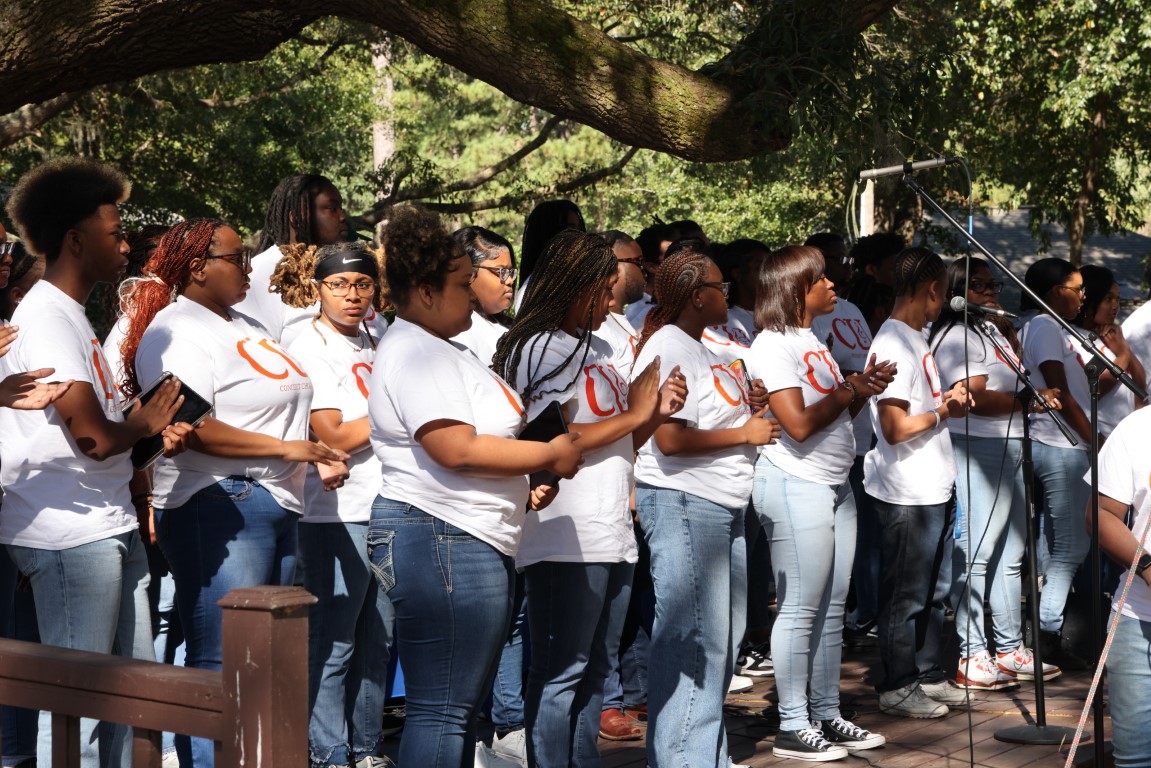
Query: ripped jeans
[[452, 595]]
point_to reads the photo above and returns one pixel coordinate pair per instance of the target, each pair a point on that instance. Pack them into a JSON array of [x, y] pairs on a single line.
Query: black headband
[[347, 260]]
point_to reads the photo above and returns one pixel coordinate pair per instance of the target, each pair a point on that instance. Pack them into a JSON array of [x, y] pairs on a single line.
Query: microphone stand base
[[1038, 734]]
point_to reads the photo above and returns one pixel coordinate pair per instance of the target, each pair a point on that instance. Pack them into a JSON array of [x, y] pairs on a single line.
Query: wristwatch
[[1143, 564]]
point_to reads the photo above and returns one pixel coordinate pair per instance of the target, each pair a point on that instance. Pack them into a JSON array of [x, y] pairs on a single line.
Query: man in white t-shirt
[[70, 519], [1124, 472]]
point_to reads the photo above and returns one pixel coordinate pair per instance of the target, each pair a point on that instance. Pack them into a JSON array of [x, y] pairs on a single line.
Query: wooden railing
[[255, 708]]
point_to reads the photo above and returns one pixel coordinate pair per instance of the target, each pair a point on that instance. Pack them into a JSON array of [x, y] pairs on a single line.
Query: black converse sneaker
[[807, 744], [847, 734]]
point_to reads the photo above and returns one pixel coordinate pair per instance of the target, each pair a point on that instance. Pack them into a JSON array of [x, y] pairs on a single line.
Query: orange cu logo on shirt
[[847, 330], [362, 372], [598, 376], [730, 385], [818, 361], [103, 370], [931, 371], [242, 346]]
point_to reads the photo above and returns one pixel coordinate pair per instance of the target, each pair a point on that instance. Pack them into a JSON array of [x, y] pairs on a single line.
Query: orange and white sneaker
[[1021, 664], [981, 673]]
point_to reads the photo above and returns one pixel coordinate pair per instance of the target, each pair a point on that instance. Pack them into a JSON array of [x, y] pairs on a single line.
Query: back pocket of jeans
[[380, 557]]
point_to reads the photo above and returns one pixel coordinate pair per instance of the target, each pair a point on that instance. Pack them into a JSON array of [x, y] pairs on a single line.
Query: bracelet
[[938, 418], [851, 388]]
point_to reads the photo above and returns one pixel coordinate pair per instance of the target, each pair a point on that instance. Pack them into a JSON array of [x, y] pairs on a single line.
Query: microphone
[[958, 304], [899, 170]]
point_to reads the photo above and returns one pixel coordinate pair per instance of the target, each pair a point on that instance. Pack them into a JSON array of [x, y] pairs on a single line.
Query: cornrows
[[572, 267], [290, 211], [679, 275], [165, 273]]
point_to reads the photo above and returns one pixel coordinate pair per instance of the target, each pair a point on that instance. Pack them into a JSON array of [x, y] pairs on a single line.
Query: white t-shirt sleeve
[[1116, 468], [1044, 341]]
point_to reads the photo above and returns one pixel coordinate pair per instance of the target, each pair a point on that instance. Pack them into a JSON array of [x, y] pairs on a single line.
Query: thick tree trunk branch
[[530, 50], [28, 119], [284, 87]]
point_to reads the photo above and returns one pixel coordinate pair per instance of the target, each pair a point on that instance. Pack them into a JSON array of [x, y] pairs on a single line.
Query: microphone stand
[[1094, 368], [1038, 732]]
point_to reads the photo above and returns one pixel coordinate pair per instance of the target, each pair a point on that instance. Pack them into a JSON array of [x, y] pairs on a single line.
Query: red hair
[[165, 273]]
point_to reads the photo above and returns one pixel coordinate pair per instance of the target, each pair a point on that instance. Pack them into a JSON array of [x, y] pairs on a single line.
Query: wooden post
[[265, 676]]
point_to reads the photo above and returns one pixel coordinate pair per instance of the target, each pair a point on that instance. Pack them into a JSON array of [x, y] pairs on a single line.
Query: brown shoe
[[614, 725], [637, 713]]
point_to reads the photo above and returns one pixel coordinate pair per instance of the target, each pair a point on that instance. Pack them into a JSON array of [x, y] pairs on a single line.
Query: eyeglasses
[[634, 262], [1081, 290], [341, 288], [504, 274], [245, 259], [721, 287], [978, 286]]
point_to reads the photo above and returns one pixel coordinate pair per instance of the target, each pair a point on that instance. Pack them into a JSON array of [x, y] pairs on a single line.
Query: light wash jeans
[[990, 541], [231, 534], [699, 569], [1065, 496], [349, 631], [811, 528], [508, 688], [93, 597], [576, 613], [1129, 692], [452, 595]]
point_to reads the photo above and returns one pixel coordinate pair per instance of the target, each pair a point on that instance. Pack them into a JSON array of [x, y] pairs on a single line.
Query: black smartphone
[[544, 428], [193, 410]]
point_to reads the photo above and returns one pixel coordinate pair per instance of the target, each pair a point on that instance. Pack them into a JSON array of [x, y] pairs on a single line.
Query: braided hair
[[915, 267], [571, 268], [295, 275], [679, 276], [545, 220], [290, 211], [957, 273], [165, 275]]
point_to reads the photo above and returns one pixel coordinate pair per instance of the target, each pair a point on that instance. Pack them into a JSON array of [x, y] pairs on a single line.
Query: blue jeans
[[349, 631], [93, 597], [452, 595], [1129, 691], [868, 543], [811, 528], [18, 622], [699, 569], [1065, 495], [914, 580], [231, 534], [575, 614], [626, 683], [990, 542], [508, 687]]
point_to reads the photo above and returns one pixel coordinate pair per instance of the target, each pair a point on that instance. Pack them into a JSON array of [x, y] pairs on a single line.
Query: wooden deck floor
[[966, 737]]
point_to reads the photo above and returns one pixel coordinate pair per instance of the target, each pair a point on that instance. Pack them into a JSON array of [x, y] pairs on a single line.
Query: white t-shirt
[[716, 399], [622, 337], [729, 341], [589, 521], [637, 311], [846, 334], [1124, 469], [418, 378], [920, 470], [340, 368], [982, 360], [252, 384], [55, 497], [1117, 403], [284, 323], [482, 337], [1137, 331], [1044, 340], [112, 342], [797, 359]]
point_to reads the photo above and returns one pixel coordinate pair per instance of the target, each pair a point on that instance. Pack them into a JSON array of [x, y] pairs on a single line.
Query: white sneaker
[[1021, 664], [512, 746], [981, 673], [485, 758], [740, 684], [945, 692], [910, 701]]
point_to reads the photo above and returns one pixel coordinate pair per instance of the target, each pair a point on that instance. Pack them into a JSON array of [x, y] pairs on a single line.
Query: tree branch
[[299, 77], [28, 119]]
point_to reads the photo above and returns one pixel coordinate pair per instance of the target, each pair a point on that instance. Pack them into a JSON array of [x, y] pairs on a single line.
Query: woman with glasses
[[988, 450], [350, 625], [227, 509], [1052, 356], [1097, 315], [494, 288], [693, 483]]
